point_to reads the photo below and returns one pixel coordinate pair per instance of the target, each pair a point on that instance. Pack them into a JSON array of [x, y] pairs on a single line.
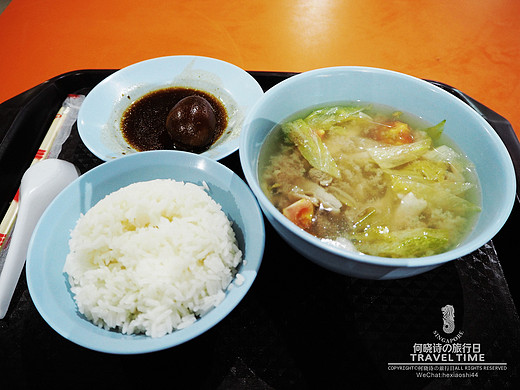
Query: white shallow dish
[[100, 114], [48, 285]]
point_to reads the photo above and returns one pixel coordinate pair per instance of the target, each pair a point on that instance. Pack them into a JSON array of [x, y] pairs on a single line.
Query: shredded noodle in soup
[[371, 179]]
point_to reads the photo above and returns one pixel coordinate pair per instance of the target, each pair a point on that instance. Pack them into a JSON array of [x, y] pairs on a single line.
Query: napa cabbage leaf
[[448, 155], [406, 243], [324, 118], [436, 195], [422, 170], [393, 156], [311, 146]]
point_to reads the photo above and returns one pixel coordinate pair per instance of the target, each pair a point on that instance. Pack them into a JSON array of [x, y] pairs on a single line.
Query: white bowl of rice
[[145, 252]]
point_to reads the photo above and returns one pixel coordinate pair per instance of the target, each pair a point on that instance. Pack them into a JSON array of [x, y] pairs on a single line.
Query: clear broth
[[373, 206]]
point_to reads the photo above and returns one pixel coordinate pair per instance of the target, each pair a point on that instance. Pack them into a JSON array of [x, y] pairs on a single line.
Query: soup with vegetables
[[371, 179]]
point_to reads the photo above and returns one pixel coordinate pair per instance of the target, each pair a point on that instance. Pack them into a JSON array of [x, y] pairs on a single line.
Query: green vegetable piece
[[436, 131], [404, 243], [456, 187], [422, 170], [393, 156], [446, 154], [311, 146], [435, 195], [324, 118]]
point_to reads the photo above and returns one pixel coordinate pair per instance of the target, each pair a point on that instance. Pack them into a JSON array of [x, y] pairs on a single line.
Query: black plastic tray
[[300, 326]]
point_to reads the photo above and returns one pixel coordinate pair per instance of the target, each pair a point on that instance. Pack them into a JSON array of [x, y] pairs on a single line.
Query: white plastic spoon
[[40, 185]]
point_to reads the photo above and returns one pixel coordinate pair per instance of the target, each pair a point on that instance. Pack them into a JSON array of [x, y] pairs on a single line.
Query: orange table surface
[[471, 45]]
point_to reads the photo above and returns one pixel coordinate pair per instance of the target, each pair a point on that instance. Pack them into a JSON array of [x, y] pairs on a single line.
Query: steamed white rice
[[151, 258]]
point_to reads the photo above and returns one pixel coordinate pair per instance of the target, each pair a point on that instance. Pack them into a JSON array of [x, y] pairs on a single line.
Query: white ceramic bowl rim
[[460, 251]]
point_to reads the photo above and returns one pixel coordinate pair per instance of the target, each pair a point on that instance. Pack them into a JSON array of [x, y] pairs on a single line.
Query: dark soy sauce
[[143, 124]]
